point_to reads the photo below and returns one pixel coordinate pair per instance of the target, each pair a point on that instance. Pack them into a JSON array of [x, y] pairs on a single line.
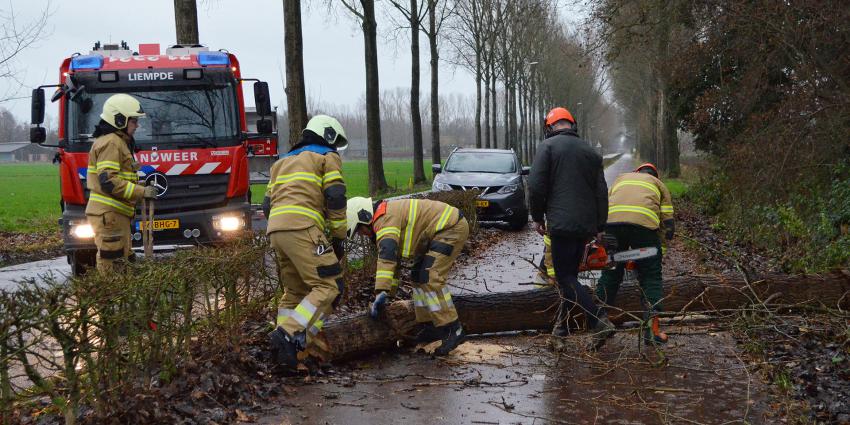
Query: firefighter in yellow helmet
[[112, 180], [639, 207], [430, 235], [305, 202]]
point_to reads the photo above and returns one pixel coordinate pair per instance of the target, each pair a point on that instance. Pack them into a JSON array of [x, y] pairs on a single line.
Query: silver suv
[[497, 174]]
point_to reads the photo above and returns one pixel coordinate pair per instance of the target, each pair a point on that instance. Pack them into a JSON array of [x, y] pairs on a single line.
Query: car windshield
[[479, 162], [204, 115]]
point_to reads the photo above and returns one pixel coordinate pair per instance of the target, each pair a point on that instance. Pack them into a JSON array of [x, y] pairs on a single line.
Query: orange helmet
[[650, 166], [558, 114]]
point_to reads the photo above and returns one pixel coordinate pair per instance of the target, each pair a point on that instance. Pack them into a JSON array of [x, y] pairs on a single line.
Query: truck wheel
[[82, 261], [518, 221]]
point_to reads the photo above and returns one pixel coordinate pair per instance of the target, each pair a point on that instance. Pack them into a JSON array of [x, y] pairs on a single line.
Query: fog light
[[82, 231], [228, 223]]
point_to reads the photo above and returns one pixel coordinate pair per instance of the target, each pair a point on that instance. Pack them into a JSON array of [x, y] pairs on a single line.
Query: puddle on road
[[506, 380]]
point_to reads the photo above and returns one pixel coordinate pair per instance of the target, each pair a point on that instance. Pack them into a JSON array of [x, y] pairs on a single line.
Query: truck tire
[[81, 261], [518, 221]]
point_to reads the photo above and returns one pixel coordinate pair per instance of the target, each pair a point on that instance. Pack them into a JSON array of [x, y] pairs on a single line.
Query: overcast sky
[[251, 29]]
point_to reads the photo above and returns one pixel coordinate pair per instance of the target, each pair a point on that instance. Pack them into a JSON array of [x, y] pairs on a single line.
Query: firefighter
[[112, 180], [304, 203], [427, 234], [568, 199], [639, 205]]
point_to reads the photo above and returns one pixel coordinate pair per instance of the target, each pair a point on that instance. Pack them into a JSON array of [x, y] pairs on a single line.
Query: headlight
[[510, 188], [82, 231], [228, 223], [441, 187]]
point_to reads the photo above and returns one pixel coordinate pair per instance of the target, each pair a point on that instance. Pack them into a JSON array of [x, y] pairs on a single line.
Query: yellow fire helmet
[[330, 129], [119, 108], [358, 211]]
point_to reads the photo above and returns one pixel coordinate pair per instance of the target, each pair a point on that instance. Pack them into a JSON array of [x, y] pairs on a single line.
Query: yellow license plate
[[482, 204], [161, 224]]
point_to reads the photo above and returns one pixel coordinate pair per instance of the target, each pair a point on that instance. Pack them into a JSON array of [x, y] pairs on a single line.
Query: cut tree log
[[355, 335]]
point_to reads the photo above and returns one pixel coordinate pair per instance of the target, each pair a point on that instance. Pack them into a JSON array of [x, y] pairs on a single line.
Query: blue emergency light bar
[[86, 62], [213, 58]]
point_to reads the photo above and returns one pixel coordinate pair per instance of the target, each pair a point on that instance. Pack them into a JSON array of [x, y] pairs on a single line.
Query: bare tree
[[15, 38], [364, 11], [414, 19], [438, 12], [186, 21], [296, 97]]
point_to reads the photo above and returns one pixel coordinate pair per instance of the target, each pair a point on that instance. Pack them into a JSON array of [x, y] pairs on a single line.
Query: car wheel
[[518, 221], [82, 261]]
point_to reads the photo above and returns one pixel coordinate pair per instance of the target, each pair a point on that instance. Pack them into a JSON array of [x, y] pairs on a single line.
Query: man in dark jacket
[[569, 201]]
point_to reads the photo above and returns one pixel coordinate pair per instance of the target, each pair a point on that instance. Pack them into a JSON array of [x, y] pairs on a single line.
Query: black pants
[[566, 255]]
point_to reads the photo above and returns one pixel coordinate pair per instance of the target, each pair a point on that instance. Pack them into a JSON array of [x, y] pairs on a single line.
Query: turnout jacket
[[112, 176], [641, 199], [306, 189], [567, 186], [403, 229]]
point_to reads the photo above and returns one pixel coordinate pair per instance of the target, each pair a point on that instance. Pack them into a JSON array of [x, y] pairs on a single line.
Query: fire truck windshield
[[201, 114]]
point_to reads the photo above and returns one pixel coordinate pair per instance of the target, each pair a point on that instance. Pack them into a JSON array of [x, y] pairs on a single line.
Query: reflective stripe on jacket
[[404, 232], [639, 198], [307, 189], [112, 176]]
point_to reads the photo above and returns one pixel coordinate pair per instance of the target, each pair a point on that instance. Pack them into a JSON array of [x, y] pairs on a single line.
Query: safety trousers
[[631, 236], [432, 299], [312, 281], [112, 238], [546, 269]]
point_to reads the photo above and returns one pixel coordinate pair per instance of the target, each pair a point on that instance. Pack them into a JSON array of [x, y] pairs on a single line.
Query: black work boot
[[428, 333], [603, 330], [562, 325], [452, 336], [284, 349]]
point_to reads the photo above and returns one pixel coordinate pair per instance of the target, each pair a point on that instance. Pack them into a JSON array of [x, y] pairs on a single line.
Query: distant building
[[25, 152]]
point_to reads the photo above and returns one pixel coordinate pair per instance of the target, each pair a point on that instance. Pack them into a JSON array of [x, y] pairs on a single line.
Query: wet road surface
[[698, 377]]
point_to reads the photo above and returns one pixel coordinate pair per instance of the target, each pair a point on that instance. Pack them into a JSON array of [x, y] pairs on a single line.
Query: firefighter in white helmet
[[305, 203], [112, 180], [430, 235]]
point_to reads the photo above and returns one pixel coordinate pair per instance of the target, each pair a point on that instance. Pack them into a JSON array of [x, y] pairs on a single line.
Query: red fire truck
[[194, 142]]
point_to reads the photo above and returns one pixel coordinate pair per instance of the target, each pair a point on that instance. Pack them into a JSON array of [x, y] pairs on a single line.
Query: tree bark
[[486, 106], [435, 80], [478, 100], [186, 21], [377, 180], [358, 334], [296, 97], [415, 115]]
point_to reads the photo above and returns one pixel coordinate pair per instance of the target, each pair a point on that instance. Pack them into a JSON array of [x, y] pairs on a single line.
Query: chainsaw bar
[[634, 254]]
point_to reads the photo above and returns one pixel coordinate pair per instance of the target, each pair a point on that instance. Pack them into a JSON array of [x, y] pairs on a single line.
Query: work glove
[[151, 192], [339, 249], [379, 304], [540, 227], [669, 229]]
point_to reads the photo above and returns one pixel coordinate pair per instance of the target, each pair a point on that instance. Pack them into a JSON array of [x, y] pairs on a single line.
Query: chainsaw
[[596, 257]]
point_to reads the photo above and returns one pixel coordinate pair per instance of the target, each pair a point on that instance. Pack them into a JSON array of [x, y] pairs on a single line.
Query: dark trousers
[[566, 255], [649, 269]]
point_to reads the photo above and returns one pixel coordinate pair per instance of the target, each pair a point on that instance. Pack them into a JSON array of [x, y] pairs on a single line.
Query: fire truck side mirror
[[264, 126], [261, 99], [37, 106], [38, 134]]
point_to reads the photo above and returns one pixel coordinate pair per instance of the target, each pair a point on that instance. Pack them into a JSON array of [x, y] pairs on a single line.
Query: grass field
[[29, 193]]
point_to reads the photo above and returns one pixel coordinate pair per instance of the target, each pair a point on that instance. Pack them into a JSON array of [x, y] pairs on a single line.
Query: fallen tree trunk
[[535, 309]]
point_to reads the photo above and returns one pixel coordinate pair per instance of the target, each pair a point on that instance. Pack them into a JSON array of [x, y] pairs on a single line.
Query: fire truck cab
[[194, 142]]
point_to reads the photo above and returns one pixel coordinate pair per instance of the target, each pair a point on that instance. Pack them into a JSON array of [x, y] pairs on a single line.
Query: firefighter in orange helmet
[[639, 206]]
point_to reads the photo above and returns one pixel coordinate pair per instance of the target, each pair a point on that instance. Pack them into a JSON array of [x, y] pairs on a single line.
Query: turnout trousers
[[312, 282], [632, 236], [112, 238], [431, 298]]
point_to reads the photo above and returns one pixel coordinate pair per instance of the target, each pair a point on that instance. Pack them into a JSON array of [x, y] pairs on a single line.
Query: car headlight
[[82, 231], [441, 187], [228, 223], [510, 188]]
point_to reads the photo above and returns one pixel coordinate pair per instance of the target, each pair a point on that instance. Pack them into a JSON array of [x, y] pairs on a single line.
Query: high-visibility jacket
[[112, 176], [641, 199], [403, 230], [306, 189]]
